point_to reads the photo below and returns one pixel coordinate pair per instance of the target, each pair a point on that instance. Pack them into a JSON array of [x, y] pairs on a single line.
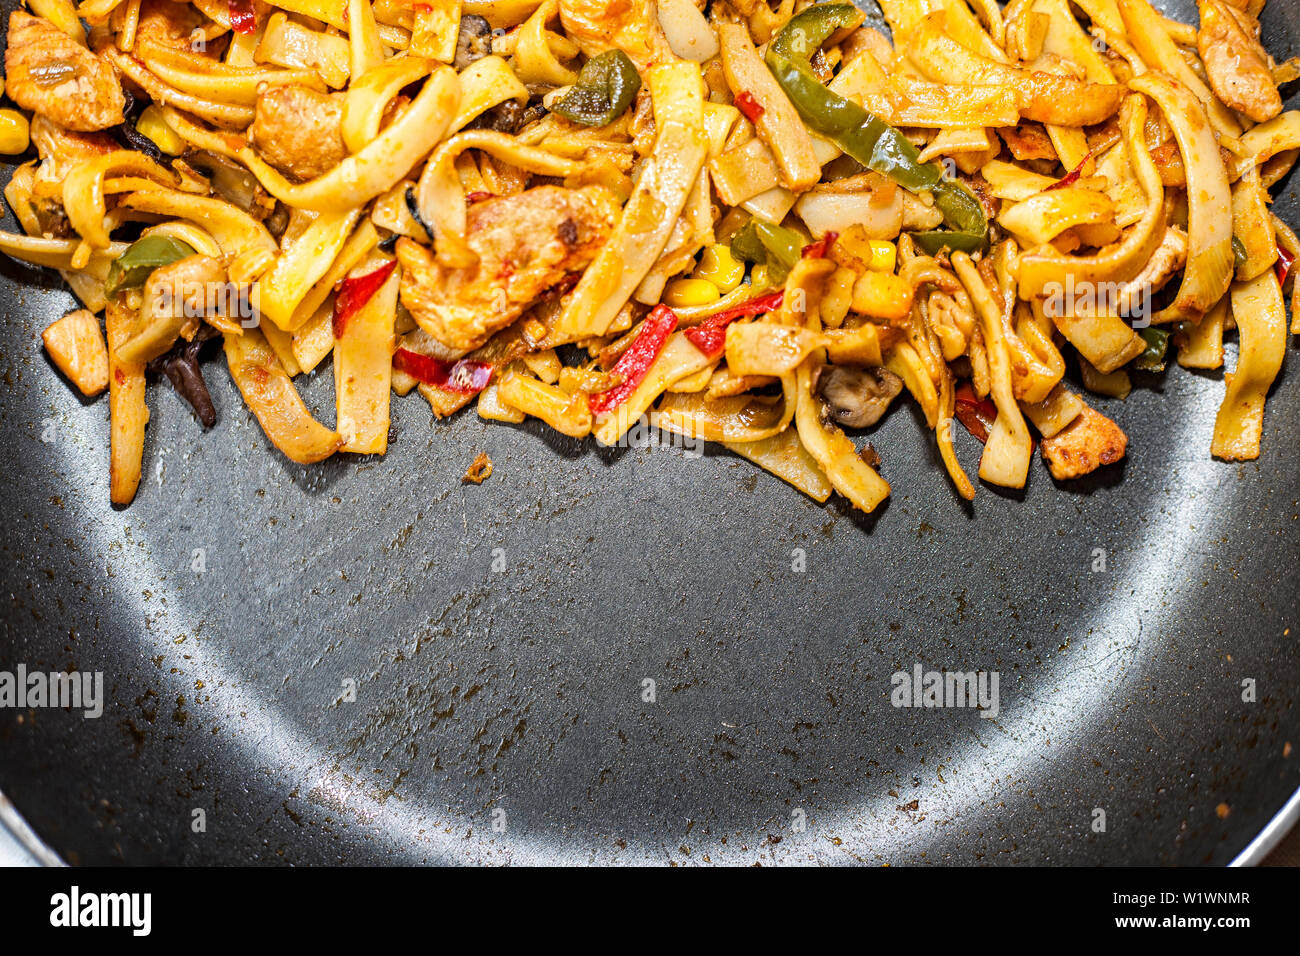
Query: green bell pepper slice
[[762, 243], [606, 87], [132, 268], [863, 135], [1152, 358]]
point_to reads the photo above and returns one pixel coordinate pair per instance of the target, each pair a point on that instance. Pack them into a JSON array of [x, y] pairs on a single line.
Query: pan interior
[[638, 654]]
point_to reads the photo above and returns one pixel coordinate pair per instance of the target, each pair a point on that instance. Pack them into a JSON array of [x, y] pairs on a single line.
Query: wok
[[500, 638]]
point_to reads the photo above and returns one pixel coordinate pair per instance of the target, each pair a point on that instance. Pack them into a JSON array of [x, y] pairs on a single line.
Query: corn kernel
[[878, 255], [883, 256], [152, 125], [13, 132], [682, 293], [720, 267]]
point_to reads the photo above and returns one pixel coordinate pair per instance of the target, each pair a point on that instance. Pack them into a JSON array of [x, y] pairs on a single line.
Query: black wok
[[500, 715]]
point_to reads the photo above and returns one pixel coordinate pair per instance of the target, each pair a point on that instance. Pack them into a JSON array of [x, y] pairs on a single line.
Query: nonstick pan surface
[[498, 640]]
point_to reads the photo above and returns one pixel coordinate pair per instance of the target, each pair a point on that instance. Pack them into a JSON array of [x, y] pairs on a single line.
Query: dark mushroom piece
[[854, 396], [181, 366], [474, 41], [502, 118]]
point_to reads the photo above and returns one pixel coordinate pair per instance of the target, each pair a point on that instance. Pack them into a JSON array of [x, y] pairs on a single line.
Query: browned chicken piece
[[1083, 446], [1169, 258], [42, 190], [299, 130], [627, 25], [173, 25], [61, 149], [1028, 141], [50, 73], [527, 244], [76, 345], [1236, 63], [37, 191]]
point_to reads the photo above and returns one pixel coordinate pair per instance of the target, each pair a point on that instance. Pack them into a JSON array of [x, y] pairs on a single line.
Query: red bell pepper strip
[[464, 377], [752, 109], [710, 336], [1070, 178], [819, 249], [243, 19], [353, 294], [635, 362], [1283, 267], [976, 414]]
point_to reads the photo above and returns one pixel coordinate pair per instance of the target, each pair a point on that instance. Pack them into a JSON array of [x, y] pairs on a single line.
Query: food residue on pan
[[480, 471]]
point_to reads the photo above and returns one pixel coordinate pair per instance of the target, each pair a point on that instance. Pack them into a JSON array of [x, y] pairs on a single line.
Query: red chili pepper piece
[[464, 377], [480, 196], [1283, 267], [819, 249], [242, 17], [353, 294], [1070, 178], [752, 109], [975, 413], [710, 336], [636, 360]]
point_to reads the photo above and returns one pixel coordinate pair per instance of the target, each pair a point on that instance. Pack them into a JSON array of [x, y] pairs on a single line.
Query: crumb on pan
[[480, 471]]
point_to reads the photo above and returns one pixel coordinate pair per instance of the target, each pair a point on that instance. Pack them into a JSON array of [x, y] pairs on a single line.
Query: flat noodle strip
[[369, 96], [270, 395], [363, 370], [1209, 200], [1261, 320], [128, 413], [83, 190], [229, 115], [381, 164], [651, 214], [785, 456], [1009, 447]]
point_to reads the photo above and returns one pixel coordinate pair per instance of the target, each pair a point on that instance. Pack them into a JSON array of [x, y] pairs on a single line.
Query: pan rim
[[14, 826], [1271, 835]]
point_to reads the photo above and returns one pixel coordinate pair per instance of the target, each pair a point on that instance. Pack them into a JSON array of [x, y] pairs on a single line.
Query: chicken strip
[[1237, 65], [526, 244], [59, 150], [1083, 446], [62, 149], [177, 26], [299, 130], [1169, 258], [50, 73], [627, 25]]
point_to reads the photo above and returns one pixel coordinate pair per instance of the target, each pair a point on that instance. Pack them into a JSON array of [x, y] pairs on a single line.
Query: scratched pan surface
[[499, 715]]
